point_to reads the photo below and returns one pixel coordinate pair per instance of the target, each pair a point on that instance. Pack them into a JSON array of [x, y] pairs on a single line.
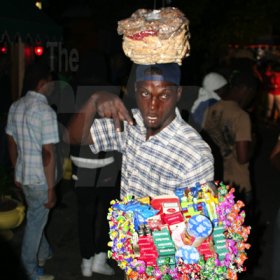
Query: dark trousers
[[276, 248], [93, 227]]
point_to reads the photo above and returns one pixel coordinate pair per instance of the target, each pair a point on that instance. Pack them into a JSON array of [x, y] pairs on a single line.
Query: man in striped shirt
[[32, 133], [160, 150]]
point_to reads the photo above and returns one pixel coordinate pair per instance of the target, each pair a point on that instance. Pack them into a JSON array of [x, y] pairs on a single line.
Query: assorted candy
[[198, 233]]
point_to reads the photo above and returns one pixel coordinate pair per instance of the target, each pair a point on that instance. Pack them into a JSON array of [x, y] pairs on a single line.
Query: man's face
[[157, 101]]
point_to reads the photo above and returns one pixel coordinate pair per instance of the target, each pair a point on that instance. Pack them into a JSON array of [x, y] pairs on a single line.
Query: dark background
[[214, 25]]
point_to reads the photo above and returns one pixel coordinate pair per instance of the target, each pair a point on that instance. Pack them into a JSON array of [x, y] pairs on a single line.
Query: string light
[[39, 50], [4, 49], [4, 44]]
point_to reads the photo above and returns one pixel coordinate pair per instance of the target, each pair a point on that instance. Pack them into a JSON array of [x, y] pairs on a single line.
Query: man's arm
[[107, 105], [48, 155], [243, 151], [12, 148]]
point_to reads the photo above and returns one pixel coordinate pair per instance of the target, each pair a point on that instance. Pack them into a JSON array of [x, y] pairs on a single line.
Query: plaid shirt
[[175, 157], [32, 123]]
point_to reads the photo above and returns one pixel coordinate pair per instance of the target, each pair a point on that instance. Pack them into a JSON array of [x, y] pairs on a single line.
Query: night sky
[[214, 24]]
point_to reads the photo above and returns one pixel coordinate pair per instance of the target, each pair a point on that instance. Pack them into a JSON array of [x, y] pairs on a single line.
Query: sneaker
[[100, 265], [86, 266]]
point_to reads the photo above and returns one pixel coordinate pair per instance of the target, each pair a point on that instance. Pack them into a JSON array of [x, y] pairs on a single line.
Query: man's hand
[[109, 105], [51, 199], [106, 105]]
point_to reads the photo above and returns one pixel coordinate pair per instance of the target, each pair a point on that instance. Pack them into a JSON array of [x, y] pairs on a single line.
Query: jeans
[[34, 244]]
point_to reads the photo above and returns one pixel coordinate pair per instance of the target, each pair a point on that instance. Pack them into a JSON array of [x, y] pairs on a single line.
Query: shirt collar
[[164, 135], [38, 95]]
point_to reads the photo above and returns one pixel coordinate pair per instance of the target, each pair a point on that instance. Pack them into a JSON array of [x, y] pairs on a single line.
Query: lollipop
[[199, 247]]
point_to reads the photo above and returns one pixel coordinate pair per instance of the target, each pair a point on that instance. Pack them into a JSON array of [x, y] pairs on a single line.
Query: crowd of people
[[135, 138]]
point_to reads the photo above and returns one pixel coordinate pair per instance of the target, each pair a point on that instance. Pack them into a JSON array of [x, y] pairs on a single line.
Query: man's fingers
[[115, 117], [116, 110], [124, 114], [104, 111], [117, 124]]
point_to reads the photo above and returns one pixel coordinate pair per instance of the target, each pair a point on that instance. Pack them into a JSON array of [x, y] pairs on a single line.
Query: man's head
[[214, 82], [38, 78], [157, 93], [242, 88]]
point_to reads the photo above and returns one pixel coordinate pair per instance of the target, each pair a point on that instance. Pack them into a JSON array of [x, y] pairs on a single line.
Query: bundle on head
[[155, 36]]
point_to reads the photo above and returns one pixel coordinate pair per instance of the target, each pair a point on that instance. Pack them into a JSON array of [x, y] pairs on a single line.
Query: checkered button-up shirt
[[32, 123], [175, 157]]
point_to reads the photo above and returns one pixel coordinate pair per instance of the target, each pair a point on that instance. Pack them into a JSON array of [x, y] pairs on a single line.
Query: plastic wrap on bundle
[[155, 36]]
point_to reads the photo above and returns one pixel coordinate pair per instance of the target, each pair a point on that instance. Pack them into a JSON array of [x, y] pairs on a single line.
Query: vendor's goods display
[[198, 233]]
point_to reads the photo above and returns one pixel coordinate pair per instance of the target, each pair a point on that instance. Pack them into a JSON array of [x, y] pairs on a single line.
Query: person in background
[[32, 132], [96, 178], [229, 126], [273, 74], [160, 150], [213, 84], [275, 161]]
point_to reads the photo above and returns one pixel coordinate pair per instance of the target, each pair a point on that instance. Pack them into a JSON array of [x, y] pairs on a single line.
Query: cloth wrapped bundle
[[155, 36]]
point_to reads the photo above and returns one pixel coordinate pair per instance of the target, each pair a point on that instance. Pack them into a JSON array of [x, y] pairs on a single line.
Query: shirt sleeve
[[197, 162], [105, 137], [49, 127], [201, 171]]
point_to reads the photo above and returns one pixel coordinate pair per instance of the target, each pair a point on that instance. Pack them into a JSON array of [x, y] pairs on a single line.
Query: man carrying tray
[[160, 150]]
